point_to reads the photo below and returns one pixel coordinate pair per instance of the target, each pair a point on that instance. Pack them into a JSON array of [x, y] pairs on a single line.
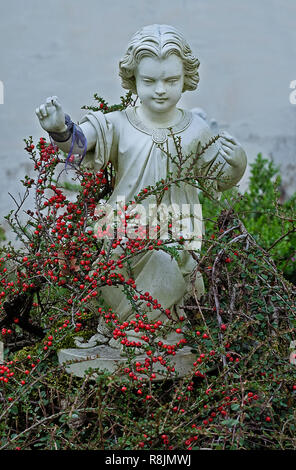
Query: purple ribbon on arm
[[78, 138]]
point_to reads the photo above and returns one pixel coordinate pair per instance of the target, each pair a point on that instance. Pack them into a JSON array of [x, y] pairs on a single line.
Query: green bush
[[270, 221], [241, 391]]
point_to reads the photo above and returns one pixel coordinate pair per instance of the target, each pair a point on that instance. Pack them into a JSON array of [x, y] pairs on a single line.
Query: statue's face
[[160, 82]]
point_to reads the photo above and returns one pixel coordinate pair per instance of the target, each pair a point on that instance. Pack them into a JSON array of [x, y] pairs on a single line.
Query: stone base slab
[[105, 358]]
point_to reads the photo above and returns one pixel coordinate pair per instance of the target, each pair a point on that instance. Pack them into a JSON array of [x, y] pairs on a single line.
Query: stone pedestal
[[105, 358]]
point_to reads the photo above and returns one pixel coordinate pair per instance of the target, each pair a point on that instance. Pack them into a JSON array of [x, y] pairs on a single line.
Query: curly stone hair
[[158, 41]]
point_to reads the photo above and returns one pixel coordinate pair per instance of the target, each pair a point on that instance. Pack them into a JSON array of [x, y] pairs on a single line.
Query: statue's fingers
[[38, 113], [227, 144], [226, 135], [55, 102], [49, 103], [50, 107], [228, 150], [43, 110], [229, 137], [225, 156]]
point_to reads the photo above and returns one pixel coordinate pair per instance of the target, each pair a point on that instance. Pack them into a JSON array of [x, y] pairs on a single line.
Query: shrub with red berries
[[240, 392]]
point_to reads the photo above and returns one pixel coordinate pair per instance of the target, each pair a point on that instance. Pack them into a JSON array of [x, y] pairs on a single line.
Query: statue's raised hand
[[51, 115], [234, 155], [231, 151]]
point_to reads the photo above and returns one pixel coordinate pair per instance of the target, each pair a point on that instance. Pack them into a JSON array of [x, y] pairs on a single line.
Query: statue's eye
[[148, 80]]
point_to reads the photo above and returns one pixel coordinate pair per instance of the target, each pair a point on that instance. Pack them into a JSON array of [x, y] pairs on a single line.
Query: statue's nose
[[160, 90]]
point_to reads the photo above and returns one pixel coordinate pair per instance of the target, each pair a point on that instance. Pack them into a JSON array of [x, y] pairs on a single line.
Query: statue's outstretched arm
[[69, 137]]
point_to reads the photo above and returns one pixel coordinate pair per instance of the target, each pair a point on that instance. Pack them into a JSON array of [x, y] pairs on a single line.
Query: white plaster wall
[[71, 49]]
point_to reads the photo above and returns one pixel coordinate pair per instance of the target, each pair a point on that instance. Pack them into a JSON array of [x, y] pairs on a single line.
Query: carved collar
[[159, 135]]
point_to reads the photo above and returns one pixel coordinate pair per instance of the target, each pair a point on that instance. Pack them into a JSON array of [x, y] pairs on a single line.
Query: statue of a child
[[158, 66]]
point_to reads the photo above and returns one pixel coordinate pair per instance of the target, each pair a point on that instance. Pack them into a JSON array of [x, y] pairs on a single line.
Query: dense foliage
[[241, 391]]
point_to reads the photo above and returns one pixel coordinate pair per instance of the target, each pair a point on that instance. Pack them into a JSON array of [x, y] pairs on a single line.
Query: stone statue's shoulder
[[114, 119], [201, 127], [118, 119], [199, 121]]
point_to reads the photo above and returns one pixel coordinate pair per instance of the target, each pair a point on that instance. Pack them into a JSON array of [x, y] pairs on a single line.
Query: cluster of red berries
[[6, 331]]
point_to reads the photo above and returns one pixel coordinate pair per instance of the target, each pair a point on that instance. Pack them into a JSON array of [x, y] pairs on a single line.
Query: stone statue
[[158, 66]]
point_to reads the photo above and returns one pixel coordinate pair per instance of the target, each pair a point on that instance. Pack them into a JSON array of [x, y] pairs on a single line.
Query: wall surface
[[71, 49]]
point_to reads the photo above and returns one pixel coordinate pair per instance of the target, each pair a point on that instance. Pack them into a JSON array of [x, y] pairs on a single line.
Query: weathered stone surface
[[105, 358]]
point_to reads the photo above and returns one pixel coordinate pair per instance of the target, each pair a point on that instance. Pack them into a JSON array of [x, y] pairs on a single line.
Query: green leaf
[[229, 422], [235, 406]]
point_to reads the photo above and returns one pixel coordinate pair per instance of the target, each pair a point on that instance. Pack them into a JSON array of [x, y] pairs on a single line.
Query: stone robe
[[136, 152]]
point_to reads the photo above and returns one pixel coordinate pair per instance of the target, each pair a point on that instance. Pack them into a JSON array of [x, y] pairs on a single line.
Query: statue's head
[[158, 41]]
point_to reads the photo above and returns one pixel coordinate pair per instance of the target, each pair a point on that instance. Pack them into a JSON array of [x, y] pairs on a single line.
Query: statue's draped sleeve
[[103, 151]]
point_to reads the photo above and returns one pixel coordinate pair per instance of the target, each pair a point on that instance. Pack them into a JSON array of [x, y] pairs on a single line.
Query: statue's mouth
[[160, 99]]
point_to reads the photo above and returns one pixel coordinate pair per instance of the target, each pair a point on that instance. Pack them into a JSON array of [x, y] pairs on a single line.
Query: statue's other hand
[[231, 151], [51, 115]]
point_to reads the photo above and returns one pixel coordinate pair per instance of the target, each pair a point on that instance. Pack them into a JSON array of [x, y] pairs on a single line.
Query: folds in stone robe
[[136, 153]]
